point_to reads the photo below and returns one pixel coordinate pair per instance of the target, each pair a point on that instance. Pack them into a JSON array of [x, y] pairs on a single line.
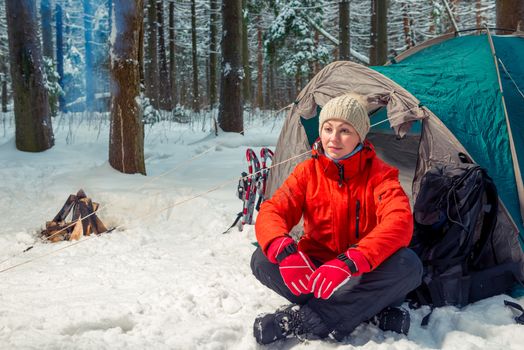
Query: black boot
[[395, 319], [290, 321]]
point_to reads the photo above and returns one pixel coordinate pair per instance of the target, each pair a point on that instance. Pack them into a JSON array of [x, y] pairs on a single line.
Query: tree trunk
[[47, 28], [213, 48], [316, 65], [406, 24], [270, 84], [373, 35], [126, 144], [196, 97], [4, 85], [298, 82], [260, 64], [510, 14], [478, 14], [151, 76], [183, 90], [110, 16], [343, 30], [89, 69], [230, 116], [382, 31], [34, 132], [172, 52], [432, 21], [246, 91], [141, 55], [60, 54], [165, 89], [454, 6]]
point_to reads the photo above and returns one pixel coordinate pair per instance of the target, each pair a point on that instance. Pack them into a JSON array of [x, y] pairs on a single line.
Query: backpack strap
[[518, 319], [425, 319], [490, 220]]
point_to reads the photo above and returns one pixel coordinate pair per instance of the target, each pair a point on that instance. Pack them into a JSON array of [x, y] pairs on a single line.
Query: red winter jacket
[[357, 202]]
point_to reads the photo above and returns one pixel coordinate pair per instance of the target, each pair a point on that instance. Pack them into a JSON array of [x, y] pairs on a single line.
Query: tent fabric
[[450, 84], [512, 79], [457, 80], [332, 81], [335, 79]]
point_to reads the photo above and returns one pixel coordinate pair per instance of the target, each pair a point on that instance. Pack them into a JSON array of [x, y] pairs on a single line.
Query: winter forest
[[149, 106], [183, 57]]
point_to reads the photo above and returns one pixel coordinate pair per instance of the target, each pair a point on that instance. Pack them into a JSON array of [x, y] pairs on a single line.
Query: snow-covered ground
[[167, 278]]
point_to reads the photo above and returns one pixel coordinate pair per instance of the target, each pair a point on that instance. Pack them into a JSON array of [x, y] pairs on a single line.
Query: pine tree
[[172, 53], [196, 97], [34, 132], [213, 48], [126, 143], [260, 64], [47, 34], [230, 116], [89, 59], [343, 31], [151, 72], [510, 14], [246, 81], [60, 54], [164, 81]]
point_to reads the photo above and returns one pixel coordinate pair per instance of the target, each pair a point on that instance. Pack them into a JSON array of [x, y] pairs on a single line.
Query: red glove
[[295, 267], [337, 272]]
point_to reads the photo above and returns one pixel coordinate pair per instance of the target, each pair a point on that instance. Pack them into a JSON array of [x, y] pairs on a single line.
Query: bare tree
[[126, 143], [343, 30], [34, 132], [230, 116]]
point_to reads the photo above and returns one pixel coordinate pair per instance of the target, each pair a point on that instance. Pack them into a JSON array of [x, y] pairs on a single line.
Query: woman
[[351, 263]]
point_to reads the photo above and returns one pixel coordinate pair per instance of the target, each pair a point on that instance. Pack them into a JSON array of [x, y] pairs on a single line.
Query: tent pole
[[516, 167]]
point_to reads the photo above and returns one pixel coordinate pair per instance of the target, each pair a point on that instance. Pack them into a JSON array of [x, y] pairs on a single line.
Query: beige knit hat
[[349, 108]]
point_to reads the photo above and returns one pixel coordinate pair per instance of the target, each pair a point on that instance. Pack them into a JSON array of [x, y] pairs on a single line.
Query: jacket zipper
[[340, 174], [357, 218]]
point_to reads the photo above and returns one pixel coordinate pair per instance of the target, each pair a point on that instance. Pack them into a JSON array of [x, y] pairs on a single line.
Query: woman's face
[[338, 138]]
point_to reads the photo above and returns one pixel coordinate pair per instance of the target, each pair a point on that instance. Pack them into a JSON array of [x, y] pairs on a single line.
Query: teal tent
[[454, 94], [461, 80], [450, 98]]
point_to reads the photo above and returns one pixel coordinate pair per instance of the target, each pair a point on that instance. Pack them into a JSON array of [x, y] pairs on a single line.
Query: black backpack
[[455, 216]]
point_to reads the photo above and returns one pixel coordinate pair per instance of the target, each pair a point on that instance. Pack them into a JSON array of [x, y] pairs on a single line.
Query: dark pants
[[358, 300]]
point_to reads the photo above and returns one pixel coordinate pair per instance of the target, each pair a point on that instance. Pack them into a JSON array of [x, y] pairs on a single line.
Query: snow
[[227, 68], [166, 278]]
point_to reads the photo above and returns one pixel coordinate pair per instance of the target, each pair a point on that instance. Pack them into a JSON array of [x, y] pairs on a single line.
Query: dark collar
[[347, 168]]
